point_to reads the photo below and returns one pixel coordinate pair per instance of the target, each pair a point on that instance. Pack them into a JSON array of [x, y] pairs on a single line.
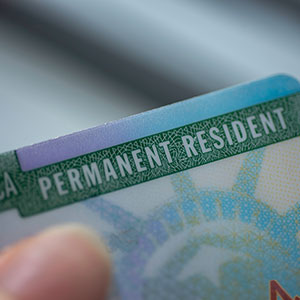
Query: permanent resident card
[[195, 200]]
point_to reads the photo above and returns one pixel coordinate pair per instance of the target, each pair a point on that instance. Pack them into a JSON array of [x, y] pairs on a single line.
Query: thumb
[[65, 262]]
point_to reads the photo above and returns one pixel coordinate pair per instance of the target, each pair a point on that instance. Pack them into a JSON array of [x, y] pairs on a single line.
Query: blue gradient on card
[[155, 121]]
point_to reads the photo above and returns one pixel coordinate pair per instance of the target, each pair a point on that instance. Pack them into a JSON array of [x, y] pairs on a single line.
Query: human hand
[[64, 262]]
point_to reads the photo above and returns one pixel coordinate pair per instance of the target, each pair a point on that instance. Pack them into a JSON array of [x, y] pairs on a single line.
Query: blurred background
[[66, 65]]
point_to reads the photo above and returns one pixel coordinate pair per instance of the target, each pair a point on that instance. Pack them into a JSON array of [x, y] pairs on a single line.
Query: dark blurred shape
[[118, 39], [68, 65], [98, 56]]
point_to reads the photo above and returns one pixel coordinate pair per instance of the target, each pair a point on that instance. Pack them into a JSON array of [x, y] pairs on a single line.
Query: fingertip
[[5, 296], [79, 231], [63, 262]]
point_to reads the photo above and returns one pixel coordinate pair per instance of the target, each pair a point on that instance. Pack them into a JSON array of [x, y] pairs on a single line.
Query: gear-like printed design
[[220, 244]]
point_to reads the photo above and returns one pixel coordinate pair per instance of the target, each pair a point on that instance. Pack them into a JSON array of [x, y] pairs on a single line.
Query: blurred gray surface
[[68, 65], [43, 95]]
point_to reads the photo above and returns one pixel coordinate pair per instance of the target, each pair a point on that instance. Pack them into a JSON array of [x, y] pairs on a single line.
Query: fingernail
[[64, 262]]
